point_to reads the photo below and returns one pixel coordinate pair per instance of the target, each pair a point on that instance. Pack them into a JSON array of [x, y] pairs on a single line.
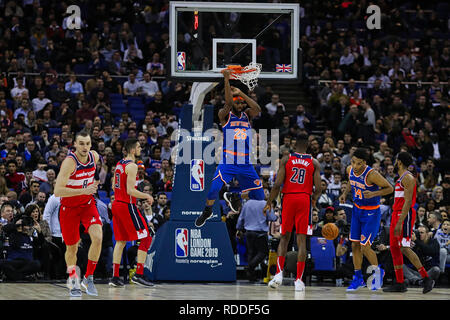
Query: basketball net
[[248, 75]]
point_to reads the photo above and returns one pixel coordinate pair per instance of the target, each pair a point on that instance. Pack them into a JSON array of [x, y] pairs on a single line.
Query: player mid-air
[[128, 222], [367, 186], [298, 174], [76, 185], [402, 222], [235, 119]]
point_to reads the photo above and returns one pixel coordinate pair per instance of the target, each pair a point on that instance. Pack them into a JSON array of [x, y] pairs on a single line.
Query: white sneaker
[[299, 285], [276, 281]]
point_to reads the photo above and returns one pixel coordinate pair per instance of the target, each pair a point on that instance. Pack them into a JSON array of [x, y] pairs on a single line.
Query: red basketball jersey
[[81, 177], [399, 194], [120, 186], [299, 174]]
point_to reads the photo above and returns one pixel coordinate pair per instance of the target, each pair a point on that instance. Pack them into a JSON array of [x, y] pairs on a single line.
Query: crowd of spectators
[[46, 97]]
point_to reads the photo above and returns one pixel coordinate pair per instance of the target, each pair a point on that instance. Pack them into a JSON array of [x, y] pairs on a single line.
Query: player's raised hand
[[235, 91], [226, 73]]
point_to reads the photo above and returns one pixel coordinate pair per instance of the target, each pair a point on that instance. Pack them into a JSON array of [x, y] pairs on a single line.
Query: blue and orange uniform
[[366, 214], [236, 161]]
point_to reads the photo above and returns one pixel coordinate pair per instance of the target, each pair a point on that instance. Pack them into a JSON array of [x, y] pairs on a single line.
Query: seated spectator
[[131, 87], [40, 101], [149, 86], [328, 217], [85, 113], [274, 105], [73, 86], [155, 67], [303, 119], [29, 195], [13, 178], [443, 238]]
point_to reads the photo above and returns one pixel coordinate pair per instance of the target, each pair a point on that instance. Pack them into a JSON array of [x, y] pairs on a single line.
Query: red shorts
[[404, 240], [296, 211], [128, 222], [71, 217]]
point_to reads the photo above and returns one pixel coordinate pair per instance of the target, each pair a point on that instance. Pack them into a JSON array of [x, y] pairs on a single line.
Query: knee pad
[[145, 244], [257, 194]]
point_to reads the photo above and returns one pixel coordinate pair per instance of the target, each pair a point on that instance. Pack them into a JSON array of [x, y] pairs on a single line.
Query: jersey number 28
[[298, 176]]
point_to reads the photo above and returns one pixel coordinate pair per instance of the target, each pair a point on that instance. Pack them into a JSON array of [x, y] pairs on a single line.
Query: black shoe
[[201, 219], [428, 285], [141, 280], [116, 282], [396, 287], [233, 201]]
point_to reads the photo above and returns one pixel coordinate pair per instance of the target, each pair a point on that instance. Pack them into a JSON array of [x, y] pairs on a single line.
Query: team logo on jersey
[[257, 182], [181, 242], [363, 238], [197, 175]]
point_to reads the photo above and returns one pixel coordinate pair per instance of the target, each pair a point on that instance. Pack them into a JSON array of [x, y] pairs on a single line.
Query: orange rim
[[238, 69]]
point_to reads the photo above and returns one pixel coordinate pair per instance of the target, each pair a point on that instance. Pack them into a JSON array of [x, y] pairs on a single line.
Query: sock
[[140, 268], [399, 275], [72, 271], [423, 272], [90, 268], [300, 269], [280, 264], [358, 274], [116, 267]]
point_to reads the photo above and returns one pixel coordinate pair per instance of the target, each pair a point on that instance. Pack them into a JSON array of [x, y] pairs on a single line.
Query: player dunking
[[402, 222], [76, 185], [235, 162], [367, 185], [128, 222], [298, 173]]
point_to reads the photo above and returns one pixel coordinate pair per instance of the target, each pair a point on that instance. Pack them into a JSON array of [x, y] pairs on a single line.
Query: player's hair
[[301, 139], [361, 153], [130, 143], [405, 158], [82, 133]]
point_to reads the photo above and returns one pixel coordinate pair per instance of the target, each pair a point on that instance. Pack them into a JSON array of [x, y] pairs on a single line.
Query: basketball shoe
[[356, 284], [116, 282], [73, 283], [428, 284], [396, 287], [299, 285], [141, 280], [206, 214], [88, 285], [233, 200], [276, 281]]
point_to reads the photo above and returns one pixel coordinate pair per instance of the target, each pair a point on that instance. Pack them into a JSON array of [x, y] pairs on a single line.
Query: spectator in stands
[[434, 221], [149, 86], [274, 105], [13, 178], [131, 87], [303, 119], [73, 86], [443, 238], [328, 217]]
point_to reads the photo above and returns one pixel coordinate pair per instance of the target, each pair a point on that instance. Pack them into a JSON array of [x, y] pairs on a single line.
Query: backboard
[[205, 37]]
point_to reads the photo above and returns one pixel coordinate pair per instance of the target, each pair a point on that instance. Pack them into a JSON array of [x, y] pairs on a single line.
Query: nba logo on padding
[[197, 175], [181, 243], [181, 61]]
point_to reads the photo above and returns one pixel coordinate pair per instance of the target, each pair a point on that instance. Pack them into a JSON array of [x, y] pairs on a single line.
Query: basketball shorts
[[365, 225], [404, 240], [128, 222], [71, 217], [245, 174], [296, 211]]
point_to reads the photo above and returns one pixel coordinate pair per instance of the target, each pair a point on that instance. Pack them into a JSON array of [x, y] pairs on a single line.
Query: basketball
[[330, 231]]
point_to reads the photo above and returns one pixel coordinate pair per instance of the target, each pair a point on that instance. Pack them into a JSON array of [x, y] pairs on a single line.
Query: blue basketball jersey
[[359, 185], [236, 140]]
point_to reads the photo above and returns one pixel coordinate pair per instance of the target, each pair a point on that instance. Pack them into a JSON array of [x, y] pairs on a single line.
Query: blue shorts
[[365, 225], [244, 173]]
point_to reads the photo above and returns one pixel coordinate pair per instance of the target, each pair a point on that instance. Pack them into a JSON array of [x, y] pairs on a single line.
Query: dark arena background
[[349, 74]]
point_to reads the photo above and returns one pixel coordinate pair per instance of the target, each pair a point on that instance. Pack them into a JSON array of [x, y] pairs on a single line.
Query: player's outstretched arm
[[374, 177], [131, 171], [277, 184], [253, 109], [223, 112], [67, 167]]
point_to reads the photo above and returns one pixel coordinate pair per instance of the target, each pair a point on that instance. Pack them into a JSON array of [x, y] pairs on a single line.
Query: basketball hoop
[[248, 75]]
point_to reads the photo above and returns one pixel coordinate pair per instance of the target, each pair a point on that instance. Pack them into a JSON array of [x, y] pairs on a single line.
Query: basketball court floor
[[240, 290]]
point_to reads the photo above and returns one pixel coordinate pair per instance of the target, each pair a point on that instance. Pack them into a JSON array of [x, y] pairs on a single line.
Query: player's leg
[[370, 225], [142, 251], [303, 227], [117, 257], [221, 177], [96, 235], [301, 258], [357, 256], [69, 223]]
